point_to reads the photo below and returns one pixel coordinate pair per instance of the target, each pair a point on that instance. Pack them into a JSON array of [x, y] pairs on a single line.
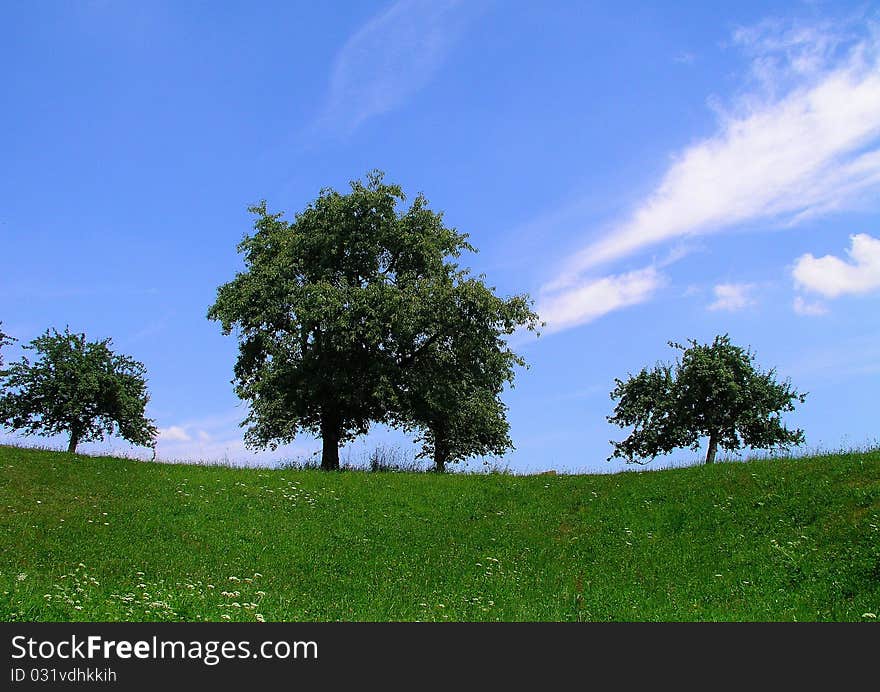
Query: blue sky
[[646, 171]]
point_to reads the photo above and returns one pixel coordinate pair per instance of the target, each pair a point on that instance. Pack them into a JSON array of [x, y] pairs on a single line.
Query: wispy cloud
[[219, 438], [174, 433], [802, 140], [808, 308], [211, 439], [830, 276], [811, 150], [592, 298], [394, 55], [733, 297]]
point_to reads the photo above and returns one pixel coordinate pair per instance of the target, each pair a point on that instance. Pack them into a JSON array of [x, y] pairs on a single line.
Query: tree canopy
[[5, 340], [76, 387], [336, 307], [452, 394], [714, 391]]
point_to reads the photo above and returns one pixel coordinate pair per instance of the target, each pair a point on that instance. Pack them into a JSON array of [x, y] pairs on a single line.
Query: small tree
[[78, 388], [715, 391], [452, 394]]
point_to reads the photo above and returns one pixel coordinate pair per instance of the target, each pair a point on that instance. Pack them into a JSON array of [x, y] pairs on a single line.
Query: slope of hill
[[106, 539]]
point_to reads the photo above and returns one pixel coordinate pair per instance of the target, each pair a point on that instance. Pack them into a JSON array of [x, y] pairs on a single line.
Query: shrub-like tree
[[76, 387], [714, 391], [452, 394]]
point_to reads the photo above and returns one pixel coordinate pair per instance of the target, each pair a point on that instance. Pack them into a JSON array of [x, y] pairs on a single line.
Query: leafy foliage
[[76, 387], [321, 309], [714, 391], [452, 392], [339, 309], [5, 340]]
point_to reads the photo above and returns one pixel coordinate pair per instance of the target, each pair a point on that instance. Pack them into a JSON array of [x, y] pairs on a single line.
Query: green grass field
[[111, 539]]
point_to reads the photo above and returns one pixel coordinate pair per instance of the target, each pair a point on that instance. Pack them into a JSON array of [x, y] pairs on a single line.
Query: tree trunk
[[74, 442], [441, 448], [713, 448], [440, 458], [330, 434]]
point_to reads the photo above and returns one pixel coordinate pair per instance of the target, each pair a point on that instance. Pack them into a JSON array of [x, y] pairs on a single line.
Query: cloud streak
[[808, 152], [593, 298], [174, 433], [802, 141], [219, 438], [394, 55], [808, 308], [732, 297]]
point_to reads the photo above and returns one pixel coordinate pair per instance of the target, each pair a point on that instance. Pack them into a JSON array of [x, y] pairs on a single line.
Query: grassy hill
[[106, 539]]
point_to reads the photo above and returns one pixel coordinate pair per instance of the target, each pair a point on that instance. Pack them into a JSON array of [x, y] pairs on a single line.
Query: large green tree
[[714, 392], [76, 387], [452, 393], [330, 310]]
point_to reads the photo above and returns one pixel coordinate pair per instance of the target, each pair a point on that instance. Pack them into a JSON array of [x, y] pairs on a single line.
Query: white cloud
[[805, 141], [230, 449], [391, 57], [809, 309], [592, 298], [732, 297], [211, 439], [831, 276], [220, 438], [174, 433]]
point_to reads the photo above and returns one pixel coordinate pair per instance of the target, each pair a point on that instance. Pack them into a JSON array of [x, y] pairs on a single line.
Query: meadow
[[102, 539]]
